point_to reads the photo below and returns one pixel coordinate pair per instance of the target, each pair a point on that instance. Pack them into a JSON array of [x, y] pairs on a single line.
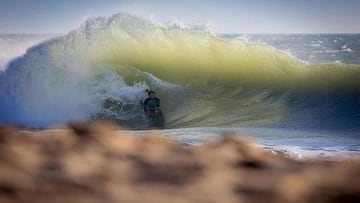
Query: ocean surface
[[295, 93]]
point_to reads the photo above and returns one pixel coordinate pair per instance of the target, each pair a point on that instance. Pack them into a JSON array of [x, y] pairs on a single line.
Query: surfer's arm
[[158, 104], [146, 107]]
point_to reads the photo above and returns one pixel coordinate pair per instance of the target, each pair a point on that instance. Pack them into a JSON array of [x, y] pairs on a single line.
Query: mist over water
[[101, 71], [14, 45]]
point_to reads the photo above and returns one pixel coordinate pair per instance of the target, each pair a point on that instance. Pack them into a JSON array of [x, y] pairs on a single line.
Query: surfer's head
[[151, 94]]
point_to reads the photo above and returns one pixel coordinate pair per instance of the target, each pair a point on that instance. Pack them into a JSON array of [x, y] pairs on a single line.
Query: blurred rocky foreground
[[97, 163]]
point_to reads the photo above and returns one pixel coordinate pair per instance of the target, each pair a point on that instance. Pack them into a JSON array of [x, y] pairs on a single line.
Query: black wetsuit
[[152, 104]]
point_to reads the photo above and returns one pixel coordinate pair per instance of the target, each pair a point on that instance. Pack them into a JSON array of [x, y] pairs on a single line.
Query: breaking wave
[[101, 71]]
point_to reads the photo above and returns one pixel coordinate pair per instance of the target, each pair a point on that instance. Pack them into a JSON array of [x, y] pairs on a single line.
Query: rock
[[100, 163]]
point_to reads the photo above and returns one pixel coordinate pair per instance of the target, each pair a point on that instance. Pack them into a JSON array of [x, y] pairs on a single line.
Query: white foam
[[299, 145], [308, 153], [176, 24], [160, 83], [345, 46], [315, 45], [346, 50]]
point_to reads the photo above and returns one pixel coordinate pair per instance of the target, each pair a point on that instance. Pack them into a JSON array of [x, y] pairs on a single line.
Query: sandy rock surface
[[97, 163]]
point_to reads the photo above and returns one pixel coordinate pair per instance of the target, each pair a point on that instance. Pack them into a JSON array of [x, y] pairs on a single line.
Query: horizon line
[[216, 33]]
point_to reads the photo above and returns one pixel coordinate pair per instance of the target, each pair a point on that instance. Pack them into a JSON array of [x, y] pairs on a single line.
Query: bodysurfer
[[151, 104]]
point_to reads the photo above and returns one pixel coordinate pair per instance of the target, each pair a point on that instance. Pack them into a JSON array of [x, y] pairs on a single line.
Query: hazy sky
[[224, 16]]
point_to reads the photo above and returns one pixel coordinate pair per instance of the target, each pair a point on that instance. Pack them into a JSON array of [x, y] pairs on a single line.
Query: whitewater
[[208, 84]]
